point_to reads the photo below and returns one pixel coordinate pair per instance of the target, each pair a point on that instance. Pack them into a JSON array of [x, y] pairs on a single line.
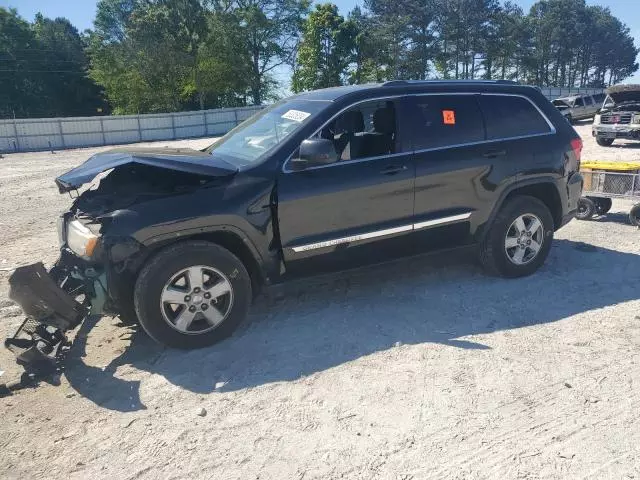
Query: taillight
[[576, 146]]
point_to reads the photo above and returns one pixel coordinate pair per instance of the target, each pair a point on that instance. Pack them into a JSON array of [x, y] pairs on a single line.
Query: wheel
[[634, 215], [603, 205], [586, 208], [192, 295], [519, 240], [604, 142]]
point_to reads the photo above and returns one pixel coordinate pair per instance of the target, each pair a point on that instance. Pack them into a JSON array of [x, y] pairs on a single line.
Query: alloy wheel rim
[[196, 299], [524, 239]]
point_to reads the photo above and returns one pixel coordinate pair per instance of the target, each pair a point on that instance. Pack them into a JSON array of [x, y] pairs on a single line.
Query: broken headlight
[[80, 239]]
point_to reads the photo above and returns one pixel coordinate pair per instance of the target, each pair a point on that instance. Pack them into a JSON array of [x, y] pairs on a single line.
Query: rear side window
[[445, 120], [588, 101], [510, 116]]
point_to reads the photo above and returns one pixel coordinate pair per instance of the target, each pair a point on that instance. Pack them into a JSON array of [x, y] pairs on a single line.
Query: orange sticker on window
[[449, 117]]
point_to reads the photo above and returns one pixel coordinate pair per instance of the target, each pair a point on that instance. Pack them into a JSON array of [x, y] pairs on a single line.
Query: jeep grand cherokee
[[180, 240]]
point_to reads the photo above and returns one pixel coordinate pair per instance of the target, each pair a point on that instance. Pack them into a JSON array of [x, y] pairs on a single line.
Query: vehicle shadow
[[628, 144], [319, 324], [615, 217]]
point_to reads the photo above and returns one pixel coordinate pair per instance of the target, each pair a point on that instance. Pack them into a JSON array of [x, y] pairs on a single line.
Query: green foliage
[[171, 55], [326, 50], [43, 69]]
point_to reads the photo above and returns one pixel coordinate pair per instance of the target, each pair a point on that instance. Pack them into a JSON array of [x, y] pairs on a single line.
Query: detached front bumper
[[626, 131], [42, 299], [53, 302]]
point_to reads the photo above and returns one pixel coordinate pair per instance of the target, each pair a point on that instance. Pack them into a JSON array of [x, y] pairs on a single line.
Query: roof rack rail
[[395, 83]]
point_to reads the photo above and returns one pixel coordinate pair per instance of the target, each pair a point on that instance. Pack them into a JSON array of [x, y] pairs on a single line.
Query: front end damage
[[99, 254], [619, 118]]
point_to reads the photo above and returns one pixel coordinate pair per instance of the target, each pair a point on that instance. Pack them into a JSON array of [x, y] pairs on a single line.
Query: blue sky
[[82, 12]]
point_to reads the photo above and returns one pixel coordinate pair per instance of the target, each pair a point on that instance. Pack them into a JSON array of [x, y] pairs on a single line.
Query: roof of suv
[[413, 86]]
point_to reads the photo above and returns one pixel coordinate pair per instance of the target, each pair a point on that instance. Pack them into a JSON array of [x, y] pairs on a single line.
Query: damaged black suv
[[181, 240]]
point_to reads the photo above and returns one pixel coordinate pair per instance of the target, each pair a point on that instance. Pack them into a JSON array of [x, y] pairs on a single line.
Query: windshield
[[560, 104], [258, 135]]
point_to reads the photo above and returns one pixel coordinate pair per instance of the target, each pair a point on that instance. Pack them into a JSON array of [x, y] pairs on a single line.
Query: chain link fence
[[611, 184]]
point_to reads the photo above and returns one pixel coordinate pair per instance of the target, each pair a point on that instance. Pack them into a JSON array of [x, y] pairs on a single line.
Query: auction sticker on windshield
[[296, 115]]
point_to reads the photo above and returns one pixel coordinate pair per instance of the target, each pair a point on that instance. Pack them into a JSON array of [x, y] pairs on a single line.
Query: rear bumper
[[575, 184]]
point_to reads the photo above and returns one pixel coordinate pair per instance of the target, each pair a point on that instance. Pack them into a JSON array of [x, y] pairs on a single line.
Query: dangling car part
[[54, 302]]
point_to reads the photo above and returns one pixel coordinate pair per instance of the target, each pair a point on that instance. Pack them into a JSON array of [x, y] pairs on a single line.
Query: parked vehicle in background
[[577, 107], [619, 116], [180, 240]]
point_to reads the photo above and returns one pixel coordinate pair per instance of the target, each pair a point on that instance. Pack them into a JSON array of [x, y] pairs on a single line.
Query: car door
[[589, 106], [357, 209], [579, 109], [456, 170]]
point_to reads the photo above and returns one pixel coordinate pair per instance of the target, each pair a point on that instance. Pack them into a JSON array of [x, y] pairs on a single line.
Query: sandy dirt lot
[[418, 369]]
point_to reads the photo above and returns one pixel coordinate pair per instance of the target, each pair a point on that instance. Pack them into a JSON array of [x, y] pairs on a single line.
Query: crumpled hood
[[180, 159], [624, 93]]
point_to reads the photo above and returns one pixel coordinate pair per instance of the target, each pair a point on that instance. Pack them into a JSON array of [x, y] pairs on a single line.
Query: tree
[[43, 69], [271, 34], [326, 50]]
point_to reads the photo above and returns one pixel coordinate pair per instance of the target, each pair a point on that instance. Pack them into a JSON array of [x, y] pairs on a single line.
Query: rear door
[[456, 172], [590, 106], [352, 211], [519, 128]]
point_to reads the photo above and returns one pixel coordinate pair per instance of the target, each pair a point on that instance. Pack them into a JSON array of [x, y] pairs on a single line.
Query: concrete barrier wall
[[32, 134], [25, 135]]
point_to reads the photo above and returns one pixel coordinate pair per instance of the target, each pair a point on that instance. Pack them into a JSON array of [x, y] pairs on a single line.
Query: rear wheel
[[586, 208], [634, 215], [519, 239], [604, 142], [192, 295]]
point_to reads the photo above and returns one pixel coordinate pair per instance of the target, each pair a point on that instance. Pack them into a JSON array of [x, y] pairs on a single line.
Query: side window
[[579, 103], [511, 116], [445, 120], [588, 101], [366, 130]]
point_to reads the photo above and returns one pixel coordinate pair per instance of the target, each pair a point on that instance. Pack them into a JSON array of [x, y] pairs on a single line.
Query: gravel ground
[[417, 369]]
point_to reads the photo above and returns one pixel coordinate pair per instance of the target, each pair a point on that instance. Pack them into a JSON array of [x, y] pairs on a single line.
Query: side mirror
[[314, 152]]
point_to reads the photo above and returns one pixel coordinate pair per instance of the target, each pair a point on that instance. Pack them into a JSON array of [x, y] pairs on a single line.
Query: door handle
[[393, 169], [494, 153]]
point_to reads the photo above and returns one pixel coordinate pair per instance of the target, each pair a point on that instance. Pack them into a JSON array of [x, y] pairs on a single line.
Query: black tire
[[603, 205], [493, 255], [634, 215], [586, 208], [163, 266], [604, 142]]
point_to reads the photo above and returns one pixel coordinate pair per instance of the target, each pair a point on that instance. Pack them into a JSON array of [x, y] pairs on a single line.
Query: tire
[[161, 276], [586, 208], [634, 215], [603, 205], [497, 258], [604, 142]]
